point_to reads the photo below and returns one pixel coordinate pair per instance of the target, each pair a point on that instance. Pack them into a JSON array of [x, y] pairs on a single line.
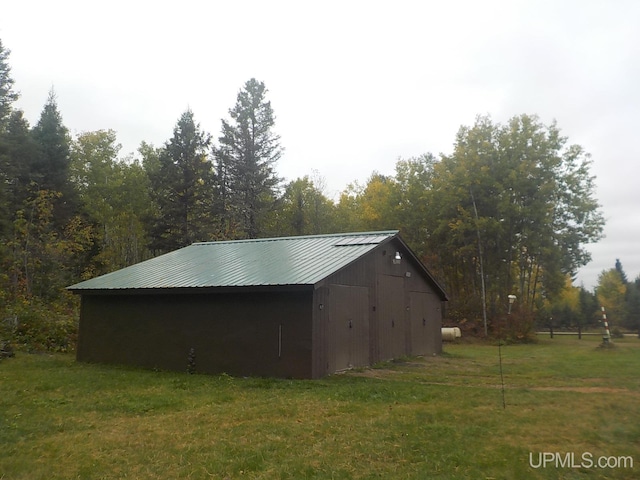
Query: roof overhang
[[195, 290]]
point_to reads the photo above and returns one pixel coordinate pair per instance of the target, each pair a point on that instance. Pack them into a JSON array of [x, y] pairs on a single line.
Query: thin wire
[[504, 404]]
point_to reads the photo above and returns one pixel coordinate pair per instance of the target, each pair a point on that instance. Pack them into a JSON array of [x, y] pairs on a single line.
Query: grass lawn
[[438, 417]]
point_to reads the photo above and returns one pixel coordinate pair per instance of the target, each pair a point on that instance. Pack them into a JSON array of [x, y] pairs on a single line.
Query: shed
[[292, 307]]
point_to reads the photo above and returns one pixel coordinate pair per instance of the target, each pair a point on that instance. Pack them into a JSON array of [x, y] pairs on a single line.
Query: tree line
[[509, 211]]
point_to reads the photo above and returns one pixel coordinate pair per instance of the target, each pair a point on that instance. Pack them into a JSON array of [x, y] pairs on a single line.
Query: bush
[[617, 333], [36, 327], [519, 327]]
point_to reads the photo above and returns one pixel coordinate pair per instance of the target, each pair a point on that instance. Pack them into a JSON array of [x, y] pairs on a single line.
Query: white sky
[[354, 84]]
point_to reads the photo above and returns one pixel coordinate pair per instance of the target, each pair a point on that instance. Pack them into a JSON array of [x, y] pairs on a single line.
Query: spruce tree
[[246, 158], [182, 186], [50, 170]]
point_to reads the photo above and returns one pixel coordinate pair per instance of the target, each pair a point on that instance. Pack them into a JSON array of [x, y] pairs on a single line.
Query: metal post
[[512, 298]]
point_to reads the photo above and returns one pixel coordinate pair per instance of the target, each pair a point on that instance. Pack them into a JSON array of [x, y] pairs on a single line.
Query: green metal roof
[[303, 260]]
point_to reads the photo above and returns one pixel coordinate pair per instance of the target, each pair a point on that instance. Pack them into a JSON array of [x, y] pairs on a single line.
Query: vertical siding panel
[[320, 341], [391, 317], [229, 333]]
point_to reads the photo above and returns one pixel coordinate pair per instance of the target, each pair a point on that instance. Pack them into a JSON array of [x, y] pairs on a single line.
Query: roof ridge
[[299, 237]]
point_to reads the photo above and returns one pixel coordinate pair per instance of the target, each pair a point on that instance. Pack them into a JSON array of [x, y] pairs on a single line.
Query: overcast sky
[[354, 84]]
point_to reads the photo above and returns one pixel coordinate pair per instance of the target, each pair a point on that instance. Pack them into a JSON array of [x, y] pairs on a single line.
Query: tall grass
[[437, 417]]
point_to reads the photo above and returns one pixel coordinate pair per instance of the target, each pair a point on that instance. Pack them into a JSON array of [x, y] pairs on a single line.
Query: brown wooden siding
[[399, 299], [371, 310], [262, 334]]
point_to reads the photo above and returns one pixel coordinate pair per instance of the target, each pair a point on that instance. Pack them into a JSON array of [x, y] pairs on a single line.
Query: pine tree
[[246, 158]]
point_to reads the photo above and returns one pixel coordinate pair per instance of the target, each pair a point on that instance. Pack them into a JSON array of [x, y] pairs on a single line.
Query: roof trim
[[384, 233], [196, 290]]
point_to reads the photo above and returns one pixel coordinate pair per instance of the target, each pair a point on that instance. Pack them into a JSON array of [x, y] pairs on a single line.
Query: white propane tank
[[450, 334]]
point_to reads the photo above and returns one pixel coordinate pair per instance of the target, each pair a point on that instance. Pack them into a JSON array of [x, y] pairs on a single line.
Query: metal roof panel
[[303, 260]]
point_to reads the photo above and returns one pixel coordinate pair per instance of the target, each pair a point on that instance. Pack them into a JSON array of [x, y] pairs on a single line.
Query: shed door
[[425, 323], [392, 331], [420, 321], [348, 342]]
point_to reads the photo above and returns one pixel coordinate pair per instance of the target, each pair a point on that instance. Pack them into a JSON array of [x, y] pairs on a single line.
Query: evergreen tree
[[17, 154], [7, 144], [633, 305], [182, 186], [7, 95], [50, 171], [620, 270], [246, 158], [589, 309]]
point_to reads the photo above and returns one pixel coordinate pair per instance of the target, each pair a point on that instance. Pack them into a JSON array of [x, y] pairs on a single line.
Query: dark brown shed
[[300, 307]]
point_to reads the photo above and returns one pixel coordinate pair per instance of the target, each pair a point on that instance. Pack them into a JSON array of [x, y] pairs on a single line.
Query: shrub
[[518, 327], [36, 327]]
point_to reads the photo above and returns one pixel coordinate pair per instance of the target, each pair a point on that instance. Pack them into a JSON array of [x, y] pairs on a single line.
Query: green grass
[[419, 418]]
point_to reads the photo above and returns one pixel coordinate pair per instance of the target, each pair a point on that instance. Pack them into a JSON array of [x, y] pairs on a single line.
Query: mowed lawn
[[569, 406]]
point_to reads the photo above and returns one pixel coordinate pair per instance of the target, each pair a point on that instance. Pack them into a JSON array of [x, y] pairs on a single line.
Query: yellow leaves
[[568, 297], [611, 292], [377, 204]]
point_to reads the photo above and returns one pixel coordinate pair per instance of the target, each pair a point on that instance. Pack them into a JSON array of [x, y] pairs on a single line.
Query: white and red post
[[607, 334]]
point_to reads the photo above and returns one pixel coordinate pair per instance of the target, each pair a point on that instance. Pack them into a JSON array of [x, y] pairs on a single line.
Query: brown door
[[348, 327], [391, 317], [419, 323], [425, 323]]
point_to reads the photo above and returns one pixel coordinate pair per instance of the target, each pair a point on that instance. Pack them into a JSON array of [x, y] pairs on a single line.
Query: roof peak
[[300, 237]]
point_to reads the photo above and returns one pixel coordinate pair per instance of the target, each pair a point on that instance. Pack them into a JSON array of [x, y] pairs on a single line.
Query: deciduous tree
[[611, 292], [302, 210], [517, 201], [115, 199]]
